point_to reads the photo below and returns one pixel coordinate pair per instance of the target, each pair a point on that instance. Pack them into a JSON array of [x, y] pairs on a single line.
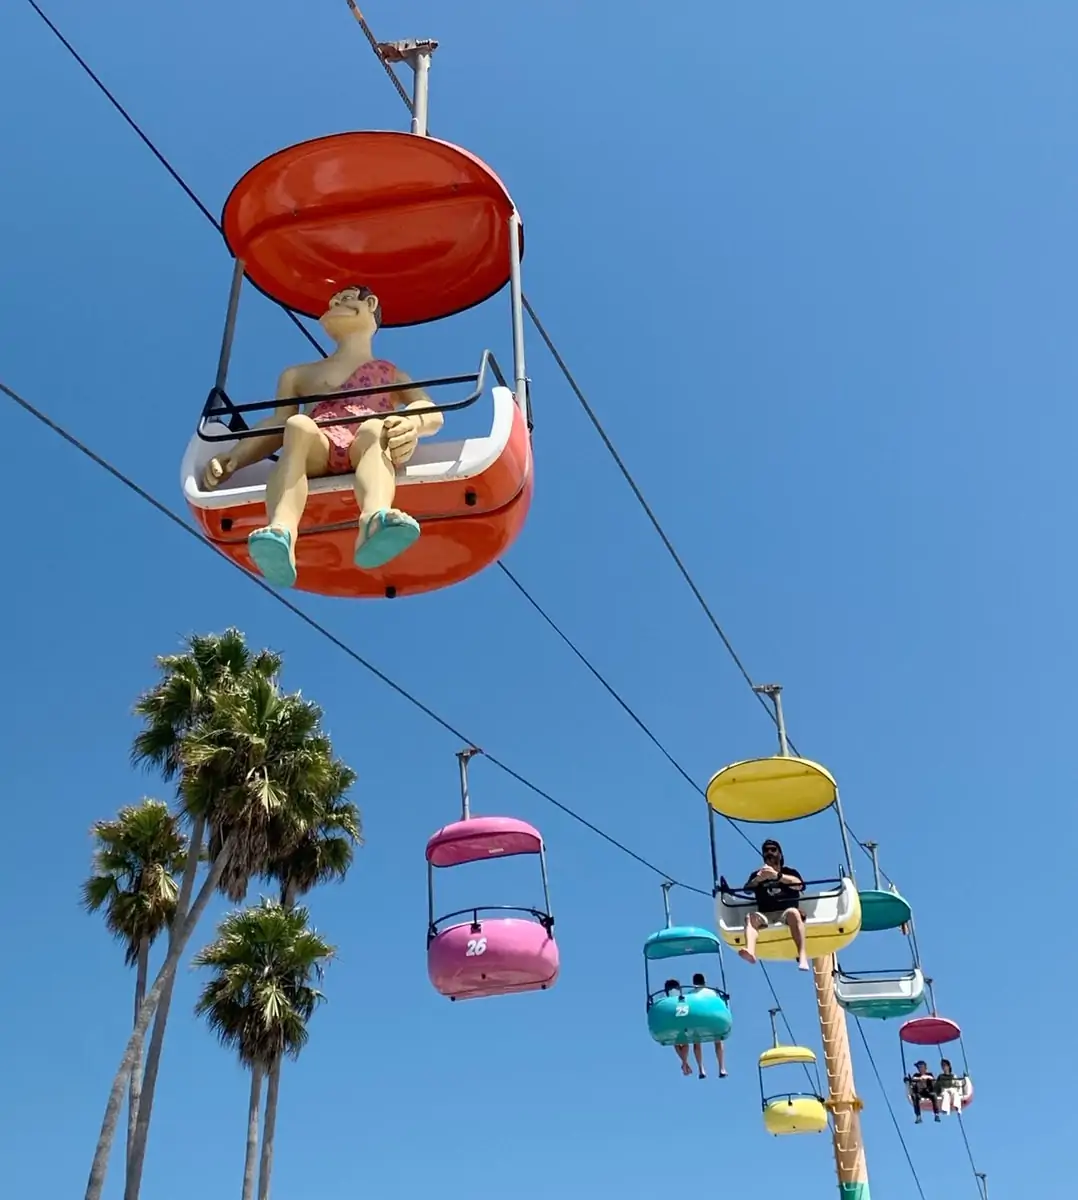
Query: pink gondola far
[[929, 1031], [482, 837], [936, 1031], [488, 954]]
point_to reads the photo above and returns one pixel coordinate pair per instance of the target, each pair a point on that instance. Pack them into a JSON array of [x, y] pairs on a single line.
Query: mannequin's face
[[349, 313]]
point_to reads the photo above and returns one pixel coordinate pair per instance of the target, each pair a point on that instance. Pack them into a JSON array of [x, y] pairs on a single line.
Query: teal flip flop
[[395, 533], [271, 551]]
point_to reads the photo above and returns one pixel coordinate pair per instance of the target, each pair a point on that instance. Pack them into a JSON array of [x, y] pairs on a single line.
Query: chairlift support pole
[[463, 758], [842, 1101], [873, 849], [773, 691], [666, 901], [225, 357], [416, 52]]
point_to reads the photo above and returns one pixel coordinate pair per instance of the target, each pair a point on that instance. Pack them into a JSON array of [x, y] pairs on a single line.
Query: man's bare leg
[[754, 922], [796, 922], [698, 1054], [720, 1055]]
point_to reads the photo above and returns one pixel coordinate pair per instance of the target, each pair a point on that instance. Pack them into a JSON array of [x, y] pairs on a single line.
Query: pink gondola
[[936, 1031], [488, 955], [929, 1031]]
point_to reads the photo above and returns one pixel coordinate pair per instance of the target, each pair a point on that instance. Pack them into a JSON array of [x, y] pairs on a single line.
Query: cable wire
[[890, 1108], [177, 177], [982, 1186], [617, 697], [176, 519]]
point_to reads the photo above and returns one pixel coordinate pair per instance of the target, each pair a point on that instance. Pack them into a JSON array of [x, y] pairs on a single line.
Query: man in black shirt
[[778, 891], [923, 1089]]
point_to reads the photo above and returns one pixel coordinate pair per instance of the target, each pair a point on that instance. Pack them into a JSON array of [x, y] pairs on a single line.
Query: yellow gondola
[[775, 790], [790, 1112], [772, 790]]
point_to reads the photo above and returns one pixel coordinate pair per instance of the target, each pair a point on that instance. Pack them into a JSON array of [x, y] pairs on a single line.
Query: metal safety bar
[[686, 990], [790, 1097], [544, 918], [726, 890], [218, 402], [886, 975]]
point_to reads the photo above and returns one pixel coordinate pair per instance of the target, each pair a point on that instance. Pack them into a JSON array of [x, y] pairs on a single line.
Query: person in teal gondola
[[673, 988], [778, 891], [700, 988]]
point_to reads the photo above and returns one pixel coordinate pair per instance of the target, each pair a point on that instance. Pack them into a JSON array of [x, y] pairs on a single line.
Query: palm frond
[[260, 997], [137, 857]]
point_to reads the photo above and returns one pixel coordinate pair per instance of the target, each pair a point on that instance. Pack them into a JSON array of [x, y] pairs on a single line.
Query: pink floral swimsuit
[[341, 437]]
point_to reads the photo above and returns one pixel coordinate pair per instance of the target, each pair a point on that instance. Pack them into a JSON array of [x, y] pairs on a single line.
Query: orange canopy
[[422, 223]]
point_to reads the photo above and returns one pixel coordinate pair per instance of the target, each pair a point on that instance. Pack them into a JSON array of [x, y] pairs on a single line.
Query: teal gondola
[[881, 995], [679, 1013]]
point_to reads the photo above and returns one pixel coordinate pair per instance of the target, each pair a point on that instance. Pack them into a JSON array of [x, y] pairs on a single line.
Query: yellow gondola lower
[[832, 921], [795, 1114], [772, 789], [791, 1112], [783, 1056]]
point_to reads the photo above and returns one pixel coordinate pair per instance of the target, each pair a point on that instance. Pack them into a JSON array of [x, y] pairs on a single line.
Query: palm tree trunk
[[99, 1168], [142, 970], [269, 1127], [136, 1153], [273, 1088], [251, 1156]]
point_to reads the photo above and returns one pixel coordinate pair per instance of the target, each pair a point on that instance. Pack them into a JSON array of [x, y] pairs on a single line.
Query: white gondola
[[880, 994]]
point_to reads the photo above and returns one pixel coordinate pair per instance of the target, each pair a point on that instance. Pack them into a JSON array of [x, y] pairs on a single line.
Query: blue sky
[[814, 267]]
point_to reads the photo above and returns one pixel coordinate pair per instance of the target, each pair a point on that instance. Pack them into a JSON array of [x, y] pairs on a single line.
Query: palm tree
[[261, 998], [324, 852], [191, 685], [136, 860], [244, 754]]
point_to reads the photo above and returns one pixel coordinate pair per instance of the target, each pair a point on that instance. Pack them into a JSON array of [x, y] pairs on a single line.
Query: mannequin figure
[[372, 449]]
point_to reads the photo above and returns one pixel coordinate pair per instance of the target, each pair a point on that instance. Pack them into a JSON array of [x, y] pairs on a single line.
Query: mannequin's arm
[[413, 401], [252, 450]]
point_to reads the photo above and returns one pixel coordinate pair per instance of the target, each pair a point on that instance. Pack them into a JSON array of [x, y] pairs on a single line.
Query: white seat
[[897, 987], [433, 462]]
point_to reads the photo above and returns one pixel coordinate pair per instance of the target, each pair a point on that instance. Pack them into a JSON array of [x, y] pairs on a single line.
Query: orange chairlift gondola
[[428, 230]]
